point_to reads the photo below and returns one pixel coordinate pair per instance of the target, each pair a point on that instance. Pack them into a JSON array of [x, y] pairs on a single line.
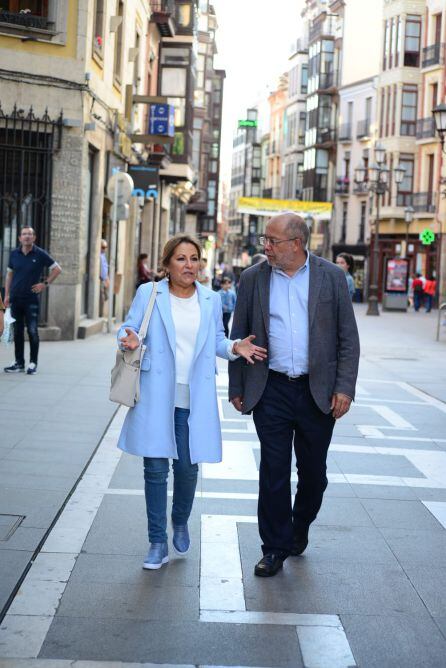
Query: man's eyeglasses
[[274, 242]]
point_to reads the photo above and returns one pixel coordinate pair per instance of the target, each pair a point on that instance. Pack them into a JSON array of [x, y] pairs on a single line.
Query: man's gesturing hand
[[237, 402], [340, 405]]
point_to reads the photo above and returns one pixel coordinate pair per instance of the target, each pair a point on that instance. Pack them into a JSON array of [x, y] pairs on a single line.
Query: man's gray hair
[[295, 226]]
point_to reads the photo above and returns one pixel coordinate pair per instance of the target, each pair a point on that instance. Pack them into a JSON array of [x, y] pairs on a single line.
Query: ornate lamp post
[[408, 217], [378, 182], [439, 114]]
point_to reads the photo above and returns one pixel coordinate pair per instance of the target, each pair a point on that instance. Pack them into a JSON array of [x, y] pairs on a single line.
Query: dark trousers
[[417, 300], [226, 319], [428, 299], [25, 312], [285, 416]]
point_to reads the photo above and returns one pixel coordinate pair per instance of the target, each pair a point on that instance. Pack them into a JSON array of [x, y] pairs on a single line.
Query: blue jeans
[[25, 312], [156, 471]]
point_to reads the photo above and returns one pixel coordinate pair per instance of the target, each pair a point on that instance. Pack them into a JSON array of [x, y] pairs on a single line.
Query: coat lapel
[[163, 304], [263, 284], [205, 301], [316, 277]]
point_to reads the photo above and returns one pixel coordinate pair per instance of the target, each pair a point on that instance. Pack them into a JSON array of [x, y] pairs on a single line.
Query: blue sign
[[161, 119], [145, 180]]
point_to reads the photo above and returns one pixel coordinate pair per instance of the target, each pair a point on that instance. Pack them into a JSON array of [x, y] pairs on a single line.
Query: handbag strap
[[147, 314]]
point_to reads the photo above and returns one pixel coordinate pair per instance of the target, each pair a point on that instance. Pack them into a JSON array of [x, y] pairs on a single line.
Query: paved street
[[369, 590]]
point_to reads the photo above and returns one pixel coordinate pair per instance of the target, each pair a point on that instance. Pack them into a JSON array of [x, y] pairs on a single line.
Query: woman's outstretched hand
[[247, 349], [131, 341]]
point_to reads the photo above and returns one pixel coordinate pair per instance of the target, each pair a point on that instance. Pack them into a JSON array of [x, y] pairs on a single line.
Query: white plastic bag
[[8, 332]]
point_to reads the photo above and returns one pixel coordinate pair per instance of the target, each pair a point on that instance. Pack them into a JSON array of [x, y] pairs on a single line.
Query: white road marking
[[438, 510], [321, 637]]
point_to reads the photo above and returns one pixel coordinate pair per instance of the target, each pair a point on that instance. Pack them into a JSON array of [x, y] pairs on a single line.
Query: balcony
[[426, 128], [162, 13], [325, 136], [342, 186], [345, 132], [361, 188], [326, 28], [363, 129], [424, 202], [19, 20], [327, 80], [433, 55]]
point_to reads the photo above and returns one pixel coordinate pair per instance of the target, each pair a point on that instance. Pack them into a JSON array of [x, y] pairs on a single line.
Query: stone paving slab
[[390, 641]]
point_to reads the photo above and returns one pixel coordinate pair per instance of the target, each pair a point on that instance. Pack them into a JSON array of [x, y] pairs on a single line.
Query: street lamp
[[309, 221], [439, 114], [379, 177], [408, 217]]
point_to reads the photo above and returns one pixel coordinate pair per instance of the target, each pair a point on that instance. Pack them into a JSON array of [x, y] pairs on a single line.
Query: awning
[[260, 206]]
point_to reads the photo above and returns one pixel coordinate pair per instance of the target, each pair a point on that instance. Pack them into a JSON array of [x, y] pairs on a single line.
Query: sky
[[254, 40]]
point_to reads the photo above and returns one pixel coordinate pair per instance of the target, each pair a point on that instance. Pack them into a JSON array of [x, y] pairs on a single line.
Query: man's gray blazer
[[333, 334]]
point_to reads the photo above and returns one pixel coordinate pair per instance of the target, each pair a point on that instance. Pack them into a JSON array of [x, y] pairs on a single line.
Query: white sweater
[[186, 318]]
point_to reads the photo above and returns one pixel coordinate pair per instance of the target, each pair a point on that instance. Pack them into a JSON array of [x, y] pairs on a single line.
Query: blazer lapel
[[316, 276], [263, 284], [205, 301], [163, 304]]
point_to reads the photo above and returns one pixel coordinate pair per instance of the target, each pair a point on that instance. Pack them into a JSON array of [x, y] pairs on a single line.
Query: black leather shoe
[[300, 542], [269, 565]]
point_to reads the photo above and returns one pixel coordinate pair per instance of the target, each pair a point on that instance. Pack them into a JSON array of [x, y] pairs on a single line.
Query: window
[[304, 79], [117, 67], [98, 28], [344, 221], [386, 45], [173, 81], [394, 109], [405, 189], [391, 43], [362, 222], [399, 28], [412, 41], [381, 114], [388, 89], [409, 110], [36, 7], [174, 56]]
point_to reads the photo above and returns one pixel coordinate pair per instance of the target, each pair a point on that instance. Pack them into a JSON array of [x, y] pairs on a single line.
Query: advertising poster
[[397, 275]]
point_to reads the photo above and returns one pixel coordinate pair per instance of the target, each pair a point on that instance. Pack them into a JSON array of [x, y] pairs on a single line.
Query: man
[[103, 277], [23, 285], [299, 308]]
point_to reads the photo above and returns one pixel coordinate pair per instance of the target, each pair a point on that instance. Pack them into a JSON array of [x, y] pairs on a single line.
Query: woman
[[347, 264], [177, 415], [144, 275]]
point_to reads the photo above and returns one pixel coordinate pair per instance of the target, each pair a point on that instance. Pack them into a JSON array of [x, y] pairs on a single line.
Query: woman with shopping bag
[[177, 416]]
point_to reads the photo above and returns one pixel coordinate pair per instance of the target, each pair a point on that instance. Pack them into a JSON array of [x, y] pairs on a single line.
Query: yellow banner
[[261, 206]]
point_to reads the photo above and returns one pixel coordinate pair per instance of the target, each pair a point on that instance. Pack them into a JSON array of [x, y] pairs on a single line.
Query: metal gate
[[27, 144]]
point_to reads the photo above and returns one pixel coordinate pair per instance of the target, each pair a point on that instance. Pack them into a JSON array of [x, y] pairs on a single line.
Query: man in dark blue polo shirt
[[24, 283]]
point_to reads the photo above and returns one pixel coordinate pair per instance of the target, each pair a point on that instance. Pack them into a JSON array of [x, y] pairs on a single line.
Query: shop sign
[[427, 237], [145, 180]]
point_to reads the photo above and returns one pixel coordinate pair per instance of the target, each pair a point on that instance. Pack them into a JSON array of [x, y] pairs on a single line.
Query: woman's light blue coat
[[148, 429]]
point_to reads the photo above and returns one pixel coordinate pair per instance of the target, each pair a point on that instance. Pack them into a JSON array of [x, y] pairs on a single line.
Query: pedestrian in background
[[2, 316], [103, 277], [24, 284], [228, 300], [299, 308], [347, 264], [430, 286], [418, 291], [204, 274], [144, 274], [177, 415]]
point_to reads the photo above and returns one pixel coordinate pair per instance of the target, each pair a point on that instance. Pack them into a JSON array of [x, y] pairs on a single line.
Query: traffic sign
[[124, 185], [122, 211]]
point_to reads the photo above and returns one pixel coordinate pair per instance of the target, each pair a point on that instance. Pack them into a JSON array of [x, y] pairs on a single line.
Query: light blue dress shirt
[[288, 321]]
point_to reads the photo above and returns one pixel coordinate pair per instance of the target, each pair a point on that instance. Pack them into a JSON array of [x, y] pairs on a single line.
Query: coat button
[[161, 350]]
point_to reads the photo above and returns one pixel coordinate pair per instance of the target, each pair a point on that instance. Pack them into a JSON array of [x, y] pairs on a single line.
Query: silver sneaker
[[157, 556]]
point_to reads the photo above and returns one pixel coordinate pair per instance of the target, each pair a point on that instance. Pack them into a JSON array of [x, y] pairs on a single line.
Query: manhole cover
[[8, 524]]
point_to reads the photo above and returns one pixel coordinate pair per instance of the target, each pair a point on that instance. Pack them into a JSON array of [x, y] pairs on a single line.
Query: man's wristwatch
[[46, 282]]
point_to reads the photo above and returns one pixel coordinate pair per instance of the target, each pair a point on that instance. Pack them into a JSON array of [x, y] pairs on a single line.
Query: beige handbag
[[125, 375]]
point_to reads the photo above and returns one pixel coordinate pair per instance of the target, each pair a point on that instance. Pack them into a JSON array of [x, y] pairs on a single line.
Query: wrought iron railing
[[425, 128], [424, 202], [25, 20], [363, 129], [345, 132], [433, 55]]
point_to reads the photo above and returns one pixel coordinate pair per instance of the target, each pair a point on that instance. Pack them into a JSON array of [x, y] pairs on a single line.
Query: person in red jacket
[[418, 291], [429, 293]]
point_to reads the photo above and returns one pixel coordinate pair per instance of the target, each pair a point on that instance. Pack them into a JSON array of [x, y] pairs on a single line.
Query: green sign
[[427, 237], [247, 124]]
